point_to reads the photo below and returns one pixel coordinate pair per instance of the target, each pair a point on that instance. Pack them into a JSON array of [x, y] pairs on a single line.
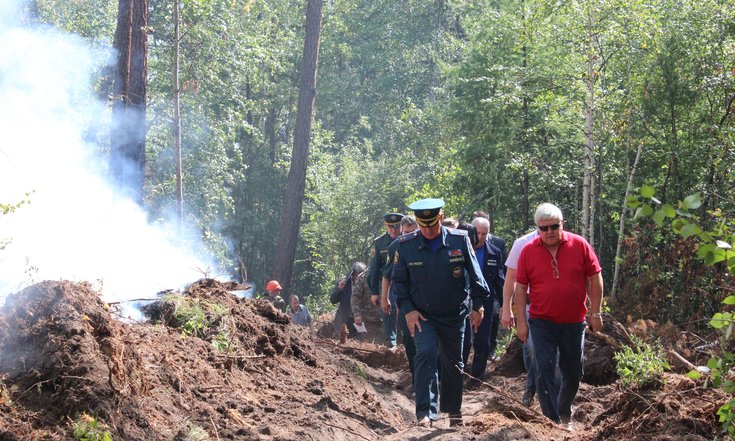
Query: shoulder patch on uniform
[[409, 236]]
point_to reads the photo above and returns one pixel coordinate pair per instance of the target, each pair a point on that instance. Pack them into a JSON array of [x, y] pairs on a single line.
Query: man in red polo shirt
[[559, 269]]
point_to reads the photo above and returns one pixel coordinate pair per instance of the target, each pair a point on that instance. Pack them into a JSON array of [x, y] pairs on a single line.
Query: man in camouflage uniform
[[365, 312]]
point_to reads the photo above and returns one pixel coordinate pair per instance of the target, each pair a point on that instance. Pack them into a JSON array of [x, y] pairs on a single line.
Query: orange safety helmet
[[273, 285]]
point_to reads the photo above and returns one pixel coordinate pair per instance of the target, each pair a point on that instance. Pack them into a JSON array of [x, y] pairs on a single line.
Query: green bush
[[193, 316], [640, 365], [87, 428]]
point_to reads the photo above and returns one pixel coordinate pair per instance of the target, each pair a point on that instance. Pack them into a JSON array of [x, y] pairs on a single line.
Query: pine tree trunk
[[127, 146], [291, 220]]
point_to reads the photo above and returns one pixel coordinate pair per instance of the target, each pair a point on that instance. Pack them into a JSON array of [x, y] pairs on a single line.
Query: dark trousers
[[481, 342], [389, 323], [445, 339], [493, 338], [568, 339], [408, 343]]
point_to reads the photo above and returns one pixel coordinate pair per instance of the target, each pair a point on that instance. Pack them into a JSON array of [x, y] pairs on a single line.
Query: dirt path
[[250, 375]]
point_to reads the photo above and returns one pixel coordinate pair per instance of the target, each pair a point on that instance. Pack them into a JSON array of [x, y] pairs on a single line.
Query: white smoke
[[74, 226]]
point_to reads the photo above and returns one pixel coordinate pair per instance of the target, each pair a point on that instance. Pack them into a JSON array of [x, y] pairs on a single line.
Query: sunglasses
[[546, 227]]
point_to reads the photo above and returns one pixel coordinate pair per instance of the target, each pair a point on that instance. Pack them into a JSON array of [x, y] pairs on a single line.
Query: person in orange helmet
[[273, 294]]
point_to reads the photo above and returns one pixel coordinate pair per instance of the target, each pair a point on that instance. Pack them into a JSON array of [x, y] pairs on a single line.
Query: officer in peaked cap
[[435, 274], [427, 211], [375, 276]]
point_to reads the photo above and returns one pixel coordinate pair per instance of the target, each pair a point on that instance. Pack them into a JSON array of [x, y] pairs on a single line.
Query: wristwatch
[[596, 315]]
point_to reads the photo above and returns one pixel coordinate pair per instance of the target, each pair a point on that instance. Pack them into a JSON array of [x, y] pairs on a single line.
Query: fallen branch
[[240, 357], [216, 434], [346, 429], [131, 300], [682, 360]]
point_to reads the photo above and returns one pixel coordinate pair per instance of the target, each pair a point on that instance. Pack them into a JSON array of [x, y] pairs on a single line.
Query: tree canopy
[[490, 105]]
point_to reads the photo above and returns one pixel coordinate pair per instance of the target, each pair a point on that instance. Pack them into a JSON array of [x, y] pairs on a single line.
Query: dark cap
[[427, 211], [393, 218]]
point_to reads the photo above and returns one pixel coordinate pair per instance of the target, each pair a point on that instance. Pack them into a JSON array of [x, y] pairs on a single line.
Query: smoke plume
[[73, 225]]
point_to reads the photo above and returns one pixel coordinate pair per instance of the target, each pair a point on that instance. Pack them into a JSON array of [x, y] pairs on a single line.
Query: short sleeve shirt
[[515, 250], [561, 300]]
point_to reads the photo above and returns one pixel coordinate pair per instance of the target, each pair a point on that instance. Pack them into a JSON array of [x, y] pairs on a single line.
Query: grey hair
[[293, 296], [481, 221], [547, 211], [408, 220]]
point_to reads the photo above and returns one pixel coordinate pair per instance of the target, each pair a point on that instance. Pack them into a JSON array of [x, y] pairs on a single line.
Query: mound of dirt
[[62, 354], [232, 368]]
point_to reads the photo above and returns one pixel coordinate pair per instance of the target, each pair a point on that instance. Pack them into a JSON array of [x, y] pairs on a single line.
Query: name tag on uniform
[[456, 259], [492, 262], [415, 264]]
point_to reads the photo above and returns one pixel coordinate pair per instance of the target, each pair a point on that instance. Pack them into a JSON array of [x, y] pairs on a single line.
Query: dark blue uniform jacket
[[435, 283]]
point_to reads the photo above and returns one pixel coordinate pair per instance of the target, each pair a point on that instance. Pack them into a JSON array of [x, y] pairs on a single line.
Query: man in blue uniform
[[491, 258], [375, 276], [430, 267]]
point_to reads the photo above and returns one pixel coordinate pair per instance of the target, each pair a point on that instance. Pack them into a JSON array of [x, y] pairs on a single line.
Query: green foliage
[[714, 249], [222, 343], [641, 364], [193, 315], [87, 428], [6, 209]]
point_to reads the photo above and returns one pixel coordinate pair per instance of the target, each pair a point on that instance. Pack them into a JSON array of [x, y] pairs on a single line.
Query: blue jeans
[[445, 339], [482, 344], [389, 323], [568, 339], [530, 365]]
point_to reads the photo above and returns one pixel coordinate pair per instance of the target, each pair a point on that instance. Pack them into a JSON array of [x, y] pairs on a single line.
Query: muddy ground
[[66, 359]]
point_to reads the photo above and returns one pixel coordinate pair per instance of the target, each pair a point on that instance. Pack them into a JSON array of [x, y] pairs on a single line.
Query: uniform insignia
[[457, 272], [427, 212], [395, 259], [492, 262], [372, 252], [454, 253], [387, 259]]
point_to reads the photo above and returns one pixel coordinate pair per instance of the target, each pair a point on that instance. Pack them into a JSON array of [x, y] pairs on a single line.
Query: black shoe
[[455, 420], [528, 397]]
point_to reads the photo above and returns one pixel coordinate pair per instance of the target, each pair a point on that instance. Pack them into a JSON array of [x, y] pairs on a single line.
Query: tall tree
[[177, 114], [291, 220], [127, 137]]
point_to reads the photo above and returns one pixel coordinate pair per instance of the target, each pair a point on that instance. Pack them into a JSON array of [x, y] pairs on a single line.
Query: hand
[[476, 318], [374, 298], [506, 318], [413, 321], [358, 320], [385, 304], [595, 324], [342, 283], [522, 330]]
